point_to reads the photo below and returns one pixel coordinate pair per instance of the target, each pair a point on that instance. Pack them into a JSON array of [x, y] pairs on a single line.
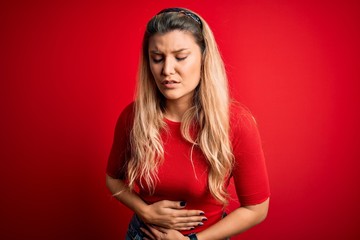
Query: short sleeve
[[249, 173], [120, 151]]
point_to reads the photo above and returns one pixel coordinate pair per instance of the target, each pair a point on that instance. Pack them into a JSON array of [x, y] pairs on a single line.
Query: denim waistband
[[134, 232]]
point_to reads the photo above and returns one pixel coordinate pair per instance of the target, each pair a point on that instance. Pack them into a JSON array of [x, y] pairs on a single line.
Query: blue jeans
[[134, 232]]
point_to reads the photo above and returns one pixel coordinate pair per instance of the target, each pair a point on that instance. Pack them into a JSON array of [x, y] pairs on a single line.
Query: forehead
[[172, 41]]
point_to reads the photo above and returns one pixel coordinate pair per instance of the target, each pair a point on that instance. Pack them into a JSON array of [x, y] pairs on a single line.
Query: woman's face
[[175, 62]]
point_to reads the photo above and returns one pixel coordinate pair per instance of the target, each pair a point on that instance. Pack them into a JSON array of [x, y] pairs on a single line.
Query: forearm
[[164, 213], [236, 222], [122, 193]]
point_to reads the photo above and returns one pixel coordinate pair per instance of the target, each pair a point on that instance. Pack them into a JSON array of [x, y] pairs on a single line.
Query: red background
[[68, 68]]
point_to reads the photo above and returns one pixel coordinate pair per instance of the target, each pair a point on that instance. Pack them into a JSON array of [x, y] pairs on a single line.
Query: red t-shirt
[[179, 181]]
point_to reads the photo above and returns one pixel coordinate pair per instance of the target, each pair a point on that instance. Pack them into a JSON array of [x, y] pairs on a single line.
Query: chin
[[171, 96]]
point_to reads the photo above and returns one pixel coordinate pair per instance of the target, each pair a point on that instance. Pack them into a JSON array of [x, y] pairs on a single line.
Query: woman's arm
[[236, 222], [168, 214]]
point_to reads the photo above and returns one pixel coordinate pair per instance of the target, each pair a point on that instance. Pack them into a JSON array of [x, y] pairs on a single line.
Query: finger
[[155, 232], [189, 213], [190, 225], [184, 228], [180, 228], [160, 229], [190, 220], [174, 204], [148, 234]]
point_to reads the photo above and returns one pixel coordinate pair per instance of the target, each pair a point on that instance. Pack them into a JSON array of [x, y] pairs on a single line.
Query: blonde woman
[[177, 146]]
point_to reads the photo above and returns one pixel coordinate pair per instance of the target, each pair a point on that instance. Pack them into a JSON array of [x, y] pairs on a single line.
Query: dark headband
[[184, 11]]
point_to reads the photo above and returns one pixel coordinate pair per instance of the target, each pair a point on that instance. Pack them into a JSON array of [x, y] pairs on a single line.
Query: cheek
[[195, 70], [155, 73], [154, 70]]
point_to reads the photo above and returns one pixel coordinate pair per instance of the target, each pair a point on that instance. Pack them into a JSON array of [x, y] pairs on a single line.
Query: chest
[[184, 172]]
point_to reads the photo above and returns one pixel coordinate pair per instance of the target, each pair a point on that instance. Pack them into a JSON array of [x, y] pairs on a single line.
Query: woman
[[177, 146]]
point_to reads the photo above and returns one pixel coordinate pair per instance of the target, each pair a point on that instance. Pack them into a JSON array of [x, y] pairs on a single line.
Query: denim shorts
[[134, 232]]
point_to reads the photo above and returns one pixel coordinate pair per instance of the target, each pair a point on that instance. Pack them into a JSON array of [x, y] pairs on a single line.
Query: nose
[[168, 67]]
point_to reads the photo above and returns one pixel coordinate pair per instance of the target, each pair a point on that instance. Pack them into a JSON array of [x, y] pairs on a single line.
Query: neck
[[175, 110]]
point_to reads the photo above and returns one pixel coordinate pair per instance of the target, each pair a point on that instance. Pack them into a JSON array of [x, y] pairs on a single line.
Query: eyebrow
[[175, 51]]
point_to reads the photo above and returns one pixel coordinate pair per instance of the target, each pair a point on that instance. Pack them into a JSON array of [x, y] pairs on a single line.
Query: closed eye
[[157, 60], [181, 58]]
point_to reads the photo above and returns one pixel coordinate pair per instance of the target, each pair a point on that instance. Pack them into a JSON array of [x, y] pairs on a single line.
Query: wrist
[[143, 211]]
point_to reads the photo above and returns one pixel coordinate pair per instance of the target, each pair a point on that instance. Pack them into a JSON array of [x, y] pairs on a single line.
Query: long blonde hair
[[210, 110]]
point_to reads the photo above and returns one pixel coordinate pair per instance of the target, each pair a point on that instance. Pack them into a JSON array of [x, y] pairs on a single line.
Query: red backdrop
[[68, 68]]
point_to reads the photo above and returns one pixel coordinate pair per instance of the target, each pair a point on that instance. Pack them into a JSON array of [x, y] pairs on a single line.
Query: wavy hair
[[209, 112]]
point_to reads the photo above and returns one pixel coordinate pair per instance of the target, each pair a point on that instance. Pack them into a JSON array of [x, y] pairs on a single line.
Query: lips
[[170, 84], [166, 82]]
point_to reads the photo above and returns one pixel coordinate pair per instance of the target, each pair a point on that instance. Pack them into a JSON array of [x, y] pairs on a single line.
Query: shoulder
[[240, 115], [126, 117], [129, 109], [243, 126]]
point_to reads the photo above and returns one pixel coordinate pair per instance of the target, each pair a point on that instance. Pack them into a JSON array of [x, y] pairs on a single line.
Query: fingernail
[[200, 224], [204, 219], [202, 214], [183, 203]]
